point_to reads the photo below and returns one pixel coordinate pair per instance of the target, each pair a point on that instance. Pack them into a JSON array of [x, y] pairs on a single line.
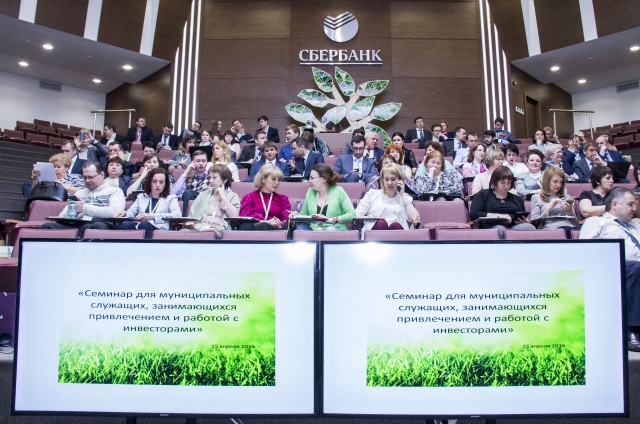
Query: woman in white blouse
[[390, 203], [222, 155], [511, 152], [530, 182], [492, 160]]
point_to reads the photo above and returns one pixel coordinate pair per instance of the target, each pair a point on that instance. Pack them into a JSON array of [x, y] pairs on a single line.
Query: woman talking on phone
[[390, 203]]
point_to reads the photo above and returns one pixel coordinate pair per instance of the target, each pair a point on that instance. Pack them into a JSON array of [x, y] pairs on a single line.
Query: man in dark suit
[[419, 133], [70, 149], [270, 155], [304, 159], [450, 147], [371, 149], [253, 152], [272, 133], [237, 129], [355, 167], [591, 158], [166, 140], [140, 133], [605, 153], [110, 136]]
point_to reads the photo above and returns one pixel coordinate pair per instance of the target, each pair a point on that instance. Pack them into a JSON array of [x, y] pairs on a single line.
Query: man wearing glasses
[[98, 200], [354, 167]]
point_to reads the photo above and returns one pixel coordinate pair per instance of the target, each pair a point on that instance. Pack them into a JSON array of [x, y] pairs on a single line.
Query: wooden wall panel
[[443, 58], [231, 20], [426, 21], [549, 96], [259, 58], [446, 98], [559, 23], [10, 8], [121, 23], [63, 15], [510, 23], [151, 98], [172, 15], [615, 16]]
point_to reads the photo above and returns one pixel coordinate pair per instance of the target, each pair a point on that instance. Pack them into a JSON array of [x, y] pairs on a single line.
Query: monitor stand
[[133, 420]]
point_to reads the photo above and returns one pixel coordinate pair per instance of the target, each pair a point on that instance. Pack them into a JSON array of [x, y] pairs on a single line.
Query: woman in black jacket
[[497, 202], [115, 174]]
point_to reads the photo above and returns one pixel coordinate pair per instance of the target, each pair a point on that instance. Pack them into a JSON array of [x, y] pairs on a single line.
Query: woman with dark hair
[[475, 161], [326, 199], [181, 159], [445, 126], [265, 204], [152, 206], [234, 145], [212, 206], [149, 162], [540, 141], [511, 152], [216, 127], [530, 182], [592, 202], [115, 176], [409, 157], [498, 202], [205, 138]]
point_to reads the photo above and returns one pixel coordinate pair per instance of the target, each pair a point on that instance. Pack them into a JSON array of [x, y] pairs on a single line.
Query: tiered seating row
[[42, 133]]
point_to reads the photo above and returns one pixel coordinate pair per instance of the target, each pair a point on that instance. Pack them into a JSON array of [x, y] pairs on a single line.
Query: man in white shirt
[[462, 154], [97, 200], [619, 222]]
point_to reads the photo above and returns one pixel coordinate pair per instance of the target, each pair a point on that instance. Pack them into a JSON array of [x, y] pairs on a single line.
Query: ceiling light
[[23, 63], [47, 46], [555, 68], [127, 67], [97, 81], [634, 48], [582, 81]]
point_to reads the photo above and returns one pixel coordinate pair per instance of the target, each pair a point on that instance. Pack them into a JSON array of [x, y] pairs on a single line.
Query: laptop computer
[[620, 169]]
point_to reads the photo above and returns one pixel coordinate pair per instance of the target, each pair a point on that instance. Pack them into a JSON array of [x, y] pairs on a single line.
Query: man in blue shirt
[[502, 135]]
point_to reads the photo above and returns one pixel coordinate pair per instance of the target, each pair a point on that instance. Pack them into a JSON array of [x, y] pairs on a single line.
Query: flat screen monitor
[[166, 328], [474, 329]]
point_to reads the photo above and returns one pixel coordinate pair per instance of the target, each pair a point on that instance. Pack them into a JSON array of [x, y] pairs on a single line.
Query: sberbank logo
[[341, 28]]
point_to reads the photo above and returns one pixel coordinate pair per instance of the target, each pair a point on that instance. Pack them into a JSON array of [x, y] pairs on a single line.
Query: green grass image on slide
[[423, 367], [112, 364]]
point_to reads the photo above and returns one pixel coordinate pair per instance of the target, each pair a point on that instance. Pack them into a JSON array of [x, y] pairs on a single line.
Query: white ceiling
[[603, 62], [74, 61]]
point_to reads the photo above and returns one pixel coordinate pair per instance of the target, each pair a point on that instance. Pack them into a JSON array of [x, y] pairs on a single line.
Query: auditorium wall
[[610, 106], [24, 100]]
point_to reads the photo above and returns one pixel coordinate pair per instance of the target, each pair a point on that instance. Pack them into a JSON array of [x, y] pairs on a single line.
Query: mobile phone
[[357, 170], [83, 135], [72, 197], [521, 214]]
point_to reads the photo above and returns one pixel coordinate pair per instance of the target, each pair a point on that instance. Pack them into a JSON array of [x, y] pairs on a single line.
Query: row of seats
[[40, 140], [42, 133]]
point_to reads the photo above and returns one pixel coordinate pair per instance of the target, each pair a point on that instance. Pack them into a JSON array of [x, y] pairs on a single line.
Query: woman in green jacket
[[326, 199]]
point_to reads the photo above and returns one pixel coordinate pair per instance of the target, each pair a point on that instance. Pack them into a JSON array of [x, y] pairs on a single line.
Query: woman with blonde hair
[[552, 201], [436, 180], [492, 160], [222, 155], [265, 204], [396, 152], [61, 164], [390, 202]]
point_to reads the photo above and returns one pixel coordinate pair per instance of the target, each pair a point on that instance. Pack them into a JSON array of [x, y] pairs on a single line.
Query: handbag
[[48, 190]]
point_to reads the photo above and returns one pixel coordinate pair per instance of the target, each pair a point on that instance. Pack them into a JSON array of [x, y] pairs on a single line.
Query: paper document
[[46, 171]]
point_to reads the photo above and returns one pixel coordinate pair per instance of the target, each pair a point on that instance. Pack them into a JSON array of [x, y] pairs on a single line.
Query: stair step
[[22, 158], [11, 204], [14, 173], [11, 215], [27, 147], [12, 162], [10, 194]]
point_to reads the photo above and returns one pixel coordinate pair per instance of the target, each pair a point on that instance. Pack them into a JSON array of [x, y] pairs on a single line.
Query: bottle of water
[[71, 210]]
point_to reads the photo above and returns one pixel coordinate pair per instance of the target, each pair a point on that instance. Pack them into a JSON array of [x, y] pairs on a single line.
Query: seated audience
[[498, 202], [166, 140], [152, 206], [270, 157], [354, 167], [330, 127], [72, 183], [574, 149], [272, 133], [429, 147], [540, 141], [140, 133], [233, 144], [265, 204], [195, 129], [149, 162], [501, 133], [212, 206], [474, 164], [529, 183], [492, 160], [181, 158], [458, 142], [419, 134], [374, 182], [436, 180], [253, 151], [115, 175], [552, 201], [326, 199], [445, 130], [609, 153], [286, 152], [409, 157], [618, 223], [372, 151], [305, 159], [109, 136], [239, 134], [117, 150], [489, 139], [511, 152], [550, 137], [70, 149], [592, 202], [636, 174], [89, 148], [317, 144], [590, 160], [205, 139], [193, 181], [222, 155], [147, 149], [396, 152], [390, 203], [554, 154], [97, 200]]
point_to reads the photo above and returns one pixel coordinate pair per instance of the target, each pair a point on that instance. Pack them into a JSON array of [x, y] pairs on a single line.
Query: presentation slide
[[473, 329], [182, 328]]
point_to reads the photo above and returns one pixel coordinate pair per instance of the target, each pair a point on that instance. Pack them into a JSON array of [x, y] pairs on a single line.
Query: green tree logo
[[359, 113]]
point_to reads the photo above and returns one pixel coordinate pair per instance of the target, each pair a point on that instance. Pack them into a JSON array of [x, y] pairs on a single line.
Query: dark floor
[[6, 370]]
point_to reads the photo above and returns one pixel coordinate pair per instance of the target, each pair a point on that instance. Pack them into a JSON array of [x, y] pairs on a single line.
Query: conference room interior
[[95, 69]]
